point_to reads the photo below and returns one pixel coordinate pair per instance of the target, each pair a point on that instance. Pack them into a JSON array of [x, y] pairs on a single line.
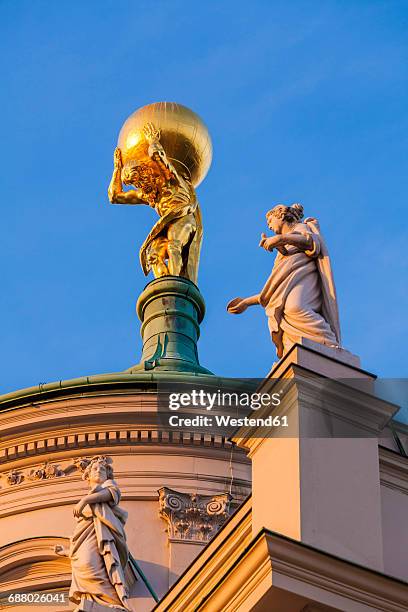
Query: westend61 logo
[[239, 403]]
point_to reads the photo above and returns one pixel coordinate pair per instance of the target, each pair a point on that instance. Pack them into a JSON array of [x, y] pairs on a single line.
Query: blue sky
[[305, 101]]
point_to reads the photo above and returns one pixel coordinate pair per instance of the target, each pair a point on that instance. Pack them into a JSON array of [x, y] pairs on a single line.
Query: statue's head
[[98, 470], [138, 174], [280, 214], [143, 175]]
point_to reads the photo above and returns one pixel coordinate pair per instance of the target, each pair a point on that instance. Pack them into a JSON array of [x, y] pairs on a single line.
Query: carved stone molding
[[43, 472], [93, 439], [14, 477], [47, 470], [192, 517], [32, 564], [393, 470]]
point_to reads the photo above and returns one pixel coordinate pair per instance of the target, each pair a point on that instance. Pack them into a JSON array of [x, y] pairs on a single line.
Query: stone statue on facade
[[299, 296], [98, 552]]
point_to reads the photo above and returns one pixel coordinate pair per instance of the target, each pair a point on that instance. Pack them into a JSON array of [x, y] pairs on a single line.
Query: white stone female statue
[[299, 296], [98, 552]]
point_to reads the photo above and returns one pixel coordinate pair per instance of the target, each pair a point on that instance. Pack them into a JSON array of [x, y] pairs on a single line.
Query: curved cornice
[[33, 561], [97, 384]]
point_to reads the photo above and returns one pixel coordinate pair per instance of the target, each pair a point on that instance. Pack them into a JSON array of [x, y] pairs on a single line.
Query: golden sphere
[[183, 135]]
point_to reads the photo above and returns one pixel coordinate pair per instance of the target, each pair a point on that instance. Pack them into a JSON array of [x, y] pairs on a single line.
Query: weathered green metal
[[134, 564], [103, 384], [171, 310]]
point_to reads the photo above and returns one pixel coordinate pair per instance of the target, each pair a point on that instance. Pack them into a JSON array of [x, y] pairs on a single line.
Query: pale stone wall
[[394, 507], [36, 506]]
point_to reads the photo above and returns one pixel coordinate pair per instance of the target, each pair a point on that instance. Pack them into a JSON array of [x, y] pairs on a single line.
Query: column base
[[171, 309]]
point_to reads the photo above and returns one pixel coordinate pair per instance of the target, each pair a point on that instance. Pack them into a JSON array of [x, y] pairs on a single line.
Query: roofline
[[91, 384]]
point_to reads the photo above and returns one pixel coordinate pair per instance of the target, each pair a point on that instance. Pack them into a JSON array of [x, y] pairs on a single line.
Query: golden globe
[[183, 135]]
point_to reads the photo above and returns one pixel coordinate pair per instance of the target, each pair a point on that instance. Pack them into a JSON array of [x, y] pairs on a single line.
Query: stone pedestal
[[318, 481], [336, 363], [171, 310]]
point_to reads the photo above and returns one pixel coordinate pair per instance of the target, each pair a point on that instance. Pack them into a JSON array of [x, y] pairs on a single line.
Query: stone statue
[[299, 296], [173, 245], [98, 553]]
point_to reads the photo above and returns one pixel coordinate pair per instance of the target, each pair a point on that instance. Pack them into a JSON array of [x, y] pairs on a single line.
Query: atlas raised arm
[[157, 152], [115, 190]]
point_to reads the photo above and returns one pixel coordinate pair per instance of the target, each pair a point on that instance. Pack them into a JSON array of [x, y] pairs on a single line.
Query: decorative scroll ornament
[[193, 517], [81, 463], [48, 470], [14, 477], [44, 472]]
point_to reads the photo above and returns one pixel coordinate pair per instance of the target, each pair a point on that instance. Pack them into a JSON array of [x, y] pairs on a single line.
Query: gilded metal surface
[[183, 136], [163, 151]]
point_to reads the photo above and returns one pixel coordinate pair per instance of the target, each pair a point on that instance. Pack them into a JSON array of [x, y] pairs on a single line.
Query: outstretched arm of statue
[[103, 495], [302, 242], [115, 191], [238, 305], [157, 152]]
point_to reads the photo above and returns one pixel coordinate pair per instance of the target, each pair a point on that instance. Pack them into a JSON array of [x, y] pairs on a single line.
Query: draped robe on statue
[[299, 297], [99, 553]]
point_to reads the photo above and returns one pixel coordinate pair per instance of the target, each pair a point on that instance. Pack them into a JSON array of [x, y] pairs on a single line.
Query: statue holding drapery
[[98, 552], [299, 296]]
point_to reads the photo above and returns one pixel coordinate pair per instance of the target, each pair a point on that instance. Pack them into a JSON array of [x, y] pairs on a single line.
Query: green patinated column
[[171, 309]]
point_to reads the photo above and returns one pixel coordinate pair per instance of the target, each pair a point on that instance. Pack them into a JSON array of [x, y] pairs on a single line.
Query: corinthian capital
[[193, 517]]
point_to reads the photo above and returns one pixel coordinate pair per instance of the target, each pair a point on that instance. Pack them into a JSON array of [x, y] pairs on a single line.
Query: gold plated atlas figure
[[164, 151]]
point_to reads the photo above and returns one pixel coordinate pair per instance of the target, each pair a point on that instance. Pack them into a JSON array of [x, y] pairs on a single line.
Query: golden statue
[[164, 151]]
